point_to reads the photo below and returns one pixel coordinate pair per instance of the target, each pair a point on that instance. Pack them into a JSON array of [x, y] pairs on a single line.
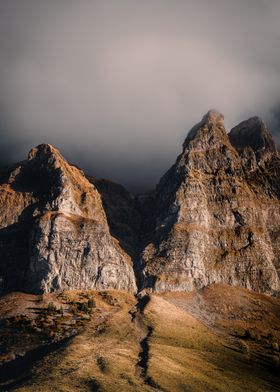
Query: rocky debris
[[215, 221], [53, 230]]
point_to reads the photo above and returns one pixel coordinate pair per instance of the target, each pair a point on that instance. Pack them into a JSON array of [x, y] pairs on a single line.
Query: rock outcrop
[[217, 215], [54, 233]]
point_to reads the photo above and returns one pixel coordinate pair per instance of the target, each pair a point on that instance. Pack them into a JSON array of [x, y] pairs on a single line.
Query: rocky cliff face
[[54, 233], [213, 218], [217, 212]]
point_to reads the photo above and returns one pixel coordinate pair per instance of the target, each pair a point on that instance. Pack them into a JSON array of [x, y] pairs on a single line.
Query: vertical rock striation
[[54, 234], [217, 216]]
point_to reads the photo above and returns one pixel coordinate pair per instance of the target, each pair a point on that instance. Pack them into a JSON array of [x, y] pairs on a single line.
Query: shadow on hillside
[[13, 374]]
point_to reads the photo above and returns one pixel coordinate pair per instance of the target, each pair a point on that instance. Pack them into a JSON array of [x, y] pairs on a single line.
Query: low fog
[[116, 85]]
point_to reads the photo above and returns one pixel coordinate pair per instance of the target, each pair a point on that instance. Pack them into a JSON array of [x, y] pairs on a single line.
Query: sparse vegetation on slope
[[160, 343]]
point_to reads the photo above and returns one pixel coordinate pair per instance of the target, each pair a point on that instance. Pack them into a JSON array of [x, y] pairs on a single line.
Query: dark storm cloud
[[116, 84]]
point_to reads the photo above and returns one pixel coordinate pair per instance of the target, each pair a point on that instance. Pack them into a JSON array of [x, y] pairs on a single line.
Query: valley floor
[[220, 338]]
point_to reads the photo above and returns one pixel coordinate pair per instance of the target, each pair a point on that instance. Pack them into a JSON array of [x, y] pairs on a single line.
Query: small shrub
[[101, 362], [52, 307], [247, 334], [244, 348], [60, 311], [85, 307], [91, 303], [109, 298]]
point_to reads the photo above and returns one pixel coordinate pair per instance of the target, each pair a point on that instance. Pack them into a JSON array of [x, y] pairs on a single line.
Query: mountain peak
[[211, 127], [252, 133], [57, 230], [43, 149], [213, 116]]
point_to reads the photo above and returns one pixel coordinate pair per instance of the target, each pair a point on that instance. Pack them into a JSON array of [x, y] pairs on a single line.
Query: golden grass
[[102, 358], [184, 354]]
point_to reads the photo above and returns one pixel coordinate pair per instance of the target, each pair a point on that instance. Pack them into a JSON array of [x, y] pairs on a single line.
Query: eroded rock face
[[54, 233], [217, 215]]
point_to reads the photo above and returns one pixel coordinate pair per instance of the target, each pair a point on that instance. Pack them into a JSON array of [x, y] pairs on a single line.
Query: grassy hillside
[[212, 340]]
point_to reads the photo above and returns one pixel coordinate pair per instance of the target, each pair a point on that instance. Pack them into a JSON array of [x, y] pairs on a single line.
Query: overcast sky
[[117, 84]]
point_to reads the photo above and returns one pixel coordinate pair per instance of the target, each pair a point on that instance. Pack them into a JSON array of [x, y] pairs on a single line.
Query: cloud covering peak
[[116, 85]]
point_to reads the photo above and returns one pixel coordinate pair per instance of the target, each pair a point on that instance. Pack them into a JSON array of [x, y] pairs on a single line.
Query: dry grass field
[[218, 339]]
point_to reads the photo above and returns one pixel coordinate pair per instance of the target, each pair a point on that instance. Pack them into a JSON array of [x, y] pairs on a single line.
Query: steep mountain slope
[[54, 233], [261, 163], [217, 212]]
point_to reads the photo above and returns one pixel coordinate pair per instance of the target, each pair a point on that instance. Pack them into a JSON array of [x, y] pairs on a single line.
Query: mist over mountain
[[116, 85]]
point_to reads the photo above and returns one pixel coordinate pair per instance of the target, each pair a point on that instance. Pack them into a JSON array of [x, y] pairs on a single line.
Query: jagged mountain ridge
[[213, 218]]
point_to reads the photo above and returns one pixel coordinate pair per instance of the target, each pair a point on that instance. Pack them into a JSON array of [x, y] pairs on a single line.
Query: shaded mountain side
[[131, 219], [123, 215], [125, 219]]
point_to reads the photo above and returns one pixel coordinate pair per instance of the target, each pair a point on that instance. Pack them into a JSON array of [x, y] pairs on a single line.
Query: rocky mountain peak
[[42, 150], [46, 155], [215, 221], [209, 132], [54, 233], [252, 133], [213, 116], [213, 217]]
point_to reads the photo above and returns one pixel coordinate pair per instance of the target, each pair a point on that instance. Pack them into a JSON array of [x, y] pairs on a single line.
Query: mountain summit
[[252, 133]]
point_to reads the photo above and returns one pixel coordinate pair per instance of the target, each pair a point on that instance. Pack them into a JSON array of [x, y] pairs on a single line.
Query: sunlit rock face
[[54, 232], [217, 214]]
